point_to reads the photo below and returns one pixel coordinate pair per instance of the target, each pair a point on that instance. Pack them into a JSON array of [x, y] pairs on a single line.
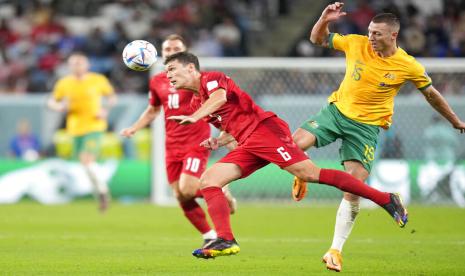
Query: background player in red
[[186, 160], [262, 138]]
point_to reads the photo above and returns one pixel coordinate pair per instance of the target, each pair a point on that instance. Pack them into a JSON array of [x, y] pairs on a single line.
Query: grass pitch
[[284, 239]]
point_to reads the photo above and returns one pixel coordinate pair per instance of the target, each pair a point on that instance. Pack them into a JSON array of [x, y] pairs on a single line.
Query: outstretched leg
[[309, 172]]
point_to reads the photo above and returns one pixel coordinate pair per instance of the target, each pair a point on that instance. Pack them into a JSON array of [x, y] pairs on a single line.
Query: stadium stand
[[37, 36], [430, 28]]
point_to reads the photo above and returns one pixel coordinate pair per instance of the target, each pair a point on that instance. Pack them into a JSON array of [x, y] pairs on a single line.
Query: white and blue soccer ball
[[139, 55]]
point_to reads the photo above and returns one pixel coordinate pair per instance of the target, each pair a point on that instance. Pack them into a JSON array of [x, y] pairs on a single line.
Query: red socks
[[218, 209], [348, 183], [195, 215]]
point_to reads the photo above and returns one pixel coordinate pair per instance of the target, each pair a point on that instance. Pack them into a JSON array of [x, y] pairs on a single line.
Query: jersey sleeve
[[339, 42], [419, 77], [215, 81], [154, 99]]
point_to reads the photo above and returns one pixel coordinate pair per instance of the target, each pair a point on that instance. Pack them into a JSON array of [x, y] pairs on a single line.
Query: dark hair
[[184, 58], [176, 37], [388, 18]]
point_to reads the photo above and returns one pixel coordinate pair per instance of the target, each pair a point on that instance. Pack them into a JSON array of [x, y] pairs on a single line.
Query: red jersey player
[[186, 160], [262, 138]]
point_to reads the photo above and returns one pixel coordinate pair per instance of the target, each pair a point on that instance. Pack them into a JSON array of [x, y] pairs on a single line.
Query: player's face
[[24, 127], [78, 64], [381, 36], [170, 47], [180, 75]]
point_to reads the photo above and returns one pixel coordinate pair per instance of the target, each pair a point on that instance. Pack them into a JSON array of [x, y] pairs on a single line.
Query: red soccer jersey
[[176, 102], [239, 116]]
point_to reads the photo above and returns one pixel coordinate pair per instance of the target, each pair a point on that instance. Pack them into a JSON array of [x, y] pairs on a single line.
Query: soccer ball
[[139, 55]]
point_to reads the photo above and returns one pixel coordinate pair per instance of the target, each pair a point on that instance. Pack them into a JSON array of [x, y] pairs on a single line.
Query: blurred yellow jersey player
[[84, 99], [80, 94], [376, 68]]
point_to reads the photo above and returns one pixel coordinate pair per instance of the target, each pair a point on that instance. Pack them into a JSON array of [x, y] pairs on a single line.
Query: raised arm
[[320, 30], [150, 113], [437, 101], [215, 101]]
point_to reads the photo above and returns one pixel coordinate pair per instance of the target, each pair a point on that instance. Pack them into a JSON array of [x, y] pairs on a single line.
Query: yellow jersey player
[[80, 94], [376, 68]]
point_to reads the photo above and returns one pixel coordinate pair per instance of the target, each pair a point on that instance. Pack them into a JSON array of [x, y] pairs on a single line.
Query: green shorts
[[359, 140], [89, 143]]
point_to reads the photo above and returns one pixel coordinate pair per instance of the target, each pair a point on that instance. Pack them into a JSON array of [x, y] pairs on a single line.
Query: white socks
[[210, 235], [345, 218]]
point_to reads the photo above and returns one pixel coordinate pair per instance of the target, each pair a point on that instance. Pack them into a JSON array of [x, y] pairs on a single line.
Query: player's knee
[[208, 180], [303, 139], [312, 177], [187, 192], [182, 197], [177, 194], [205, 180], [305, 170], [361, 175], [309, 174], [357, 170]]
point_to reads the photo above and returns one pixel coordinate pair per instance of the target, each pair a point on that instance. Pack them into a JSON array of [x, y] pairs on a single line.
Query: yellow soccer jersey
[[84, 98], [371, 82]]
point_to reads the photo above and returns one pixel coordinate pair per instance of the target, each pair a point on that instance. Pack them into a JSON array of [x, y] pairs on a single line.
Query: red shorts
[[193, 162], [270, 142]]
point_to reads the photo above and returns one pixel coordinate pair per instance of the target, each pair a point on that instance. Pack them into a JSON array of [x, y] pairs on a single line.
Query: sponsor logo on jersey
[[390, 76], [384, 86]]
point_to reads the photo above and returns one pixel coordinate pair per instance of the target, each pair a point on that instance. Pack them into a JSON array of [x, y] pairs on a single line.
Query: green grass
[[284, 239]]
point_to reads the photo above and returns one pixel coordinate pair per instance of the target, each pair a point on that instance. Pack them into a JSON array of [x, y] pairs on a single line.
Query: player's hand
[[460, 126], [210, 143], [183, 119], [231, 145], [333, 12], [103, 114], [61, 106], [128, 132]]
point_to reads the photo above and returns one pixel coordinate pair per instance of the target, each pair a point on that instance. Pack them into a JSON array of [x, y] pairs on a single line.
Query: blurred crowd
[[433, 28], [37, 36]]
